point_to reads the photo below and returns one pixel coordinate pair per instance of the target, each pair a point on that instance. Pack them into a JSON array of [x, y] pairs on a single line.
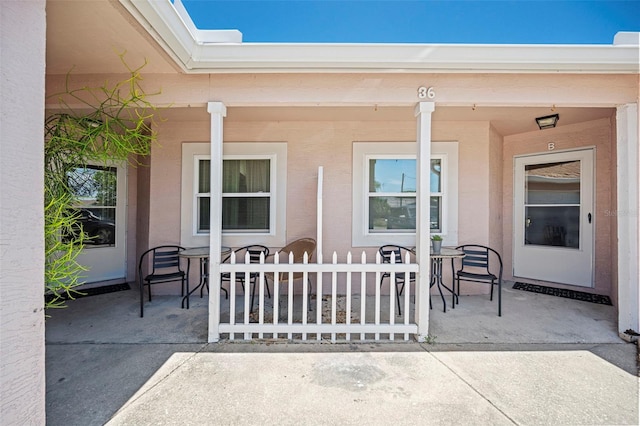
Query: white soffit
[[211, 51]]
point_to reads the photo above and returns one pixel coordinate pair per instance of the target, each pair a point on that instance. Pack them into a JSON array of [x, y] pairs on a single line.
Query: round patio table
[[202, 254], [436, 272]]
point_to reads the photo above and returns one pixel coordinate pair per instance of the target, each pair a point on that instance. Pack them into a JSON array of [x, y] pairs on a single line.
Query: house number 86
[[426, 92]]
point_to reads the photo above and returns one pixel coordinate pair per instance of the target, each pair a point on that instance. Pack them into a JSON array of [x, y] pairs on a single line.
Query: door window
[[552, 204], [95, 190]]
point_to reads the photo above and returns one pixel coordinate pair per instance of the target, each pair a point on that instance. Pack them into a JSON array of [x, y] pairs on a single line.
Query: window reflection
[[392, 175], [395, 213], [553, 204], [94, 188], [436, 173], [553, 183], [392, 195]]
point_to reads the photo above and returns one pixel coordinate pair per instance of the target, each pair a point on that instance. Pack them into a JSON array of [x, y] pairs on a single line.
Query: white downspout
[[218, 111], [319, 215], [423, 238]]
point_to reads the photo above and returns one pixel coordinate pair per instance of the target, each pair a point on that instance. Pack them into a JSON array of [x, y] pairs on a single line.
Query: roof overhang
[[212, 51]]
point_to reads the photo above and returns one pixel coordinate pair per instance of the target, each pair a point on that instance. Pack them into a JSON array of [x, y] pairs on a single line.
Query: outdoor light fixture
[[547, 122]]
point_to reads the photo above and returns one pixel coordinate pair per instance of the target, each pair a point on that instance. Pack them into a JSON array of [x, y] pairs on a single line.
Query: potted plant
[[436, 243]]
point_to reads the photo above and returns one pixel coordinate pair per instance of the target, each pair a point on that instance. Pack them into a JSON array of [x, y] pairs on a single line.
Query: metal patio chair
[[165, 267], [254, 252], [480, 265], [399, 253]]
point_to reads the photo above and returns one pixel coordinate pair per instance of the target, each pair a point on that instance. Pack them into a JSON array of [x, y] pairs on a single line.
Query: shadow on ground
[[103, 359]]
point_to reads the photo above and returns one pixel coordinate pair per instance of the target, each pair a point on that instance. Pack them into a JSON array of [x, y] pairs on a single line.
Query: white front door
[[553, 223], [101, 201]]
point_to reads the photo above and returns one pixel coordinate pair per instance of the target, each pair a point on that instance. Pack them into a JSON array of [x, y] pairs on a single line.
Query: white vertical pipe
[[363, 292], [218, 111], [305, 280], [392, 296], [377, 296], [319, 215], [334, 294], [407, 292], [232, 295], [319, 248], [423, 113], [348, 307]]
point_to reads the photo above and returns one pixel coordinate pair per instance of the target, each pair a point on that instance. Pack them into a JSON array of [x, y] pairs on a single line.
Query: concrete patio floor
[[547, 360]]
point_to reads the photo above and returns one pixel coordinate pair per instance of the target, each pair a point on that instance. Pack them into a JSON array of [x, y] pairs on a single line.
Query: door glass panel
[[553, 183], [552, 204], [552, 226], [95, 190]]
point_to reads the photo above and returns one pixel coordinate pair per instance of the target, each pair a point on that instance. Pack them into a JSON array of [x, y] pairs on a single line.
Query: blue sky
[[420, 21]]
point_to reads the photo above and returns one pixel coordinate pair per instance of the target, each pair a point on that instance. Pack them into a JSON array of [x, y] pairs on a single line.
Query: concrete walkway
[[106, 366]]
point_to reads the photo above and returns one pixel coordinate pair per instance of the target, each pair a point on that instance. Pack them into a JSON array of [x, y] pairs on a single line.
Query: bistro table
[[436, 272], [202, 254]]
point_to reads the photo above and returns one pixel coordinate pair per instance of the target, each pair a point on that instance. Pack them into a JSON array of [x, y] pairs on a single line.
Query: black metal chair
[[164, 262], [479, 265], [399, 252], [254, 257]]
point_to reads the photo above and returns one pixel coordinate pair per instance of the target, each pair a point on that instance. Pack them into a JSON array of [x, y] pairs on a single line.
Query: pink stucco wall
[[473, 177], [485, 177], [320, 143], [613, 235], [161, 176], [496, 164], [283, 89], [132, 223], [329, 143], [479, 174], [596, 133], [22, 315]]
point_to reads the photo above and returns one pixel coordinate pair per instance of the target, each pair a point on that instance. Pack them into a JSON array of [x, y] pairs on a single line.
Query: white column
[[22, 324], [423, 241], [628, 209], [218, 111]]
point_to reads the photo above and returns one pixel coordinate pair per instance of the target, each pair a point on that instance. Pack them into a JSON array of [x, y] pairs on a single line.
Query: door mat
[[77, 294], [563, 292]]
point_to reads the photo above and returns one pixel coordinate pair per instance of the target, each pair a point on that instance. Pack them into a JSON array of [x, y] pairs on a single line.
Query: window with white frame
[[385, 192], [247, 201], [391, 195], [246, 195], [438, 196], [253, 193]]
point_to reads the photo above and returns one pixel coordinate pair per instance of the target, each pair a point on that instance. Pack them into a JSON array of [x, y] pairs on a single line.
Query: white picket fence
[[344, 301]]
